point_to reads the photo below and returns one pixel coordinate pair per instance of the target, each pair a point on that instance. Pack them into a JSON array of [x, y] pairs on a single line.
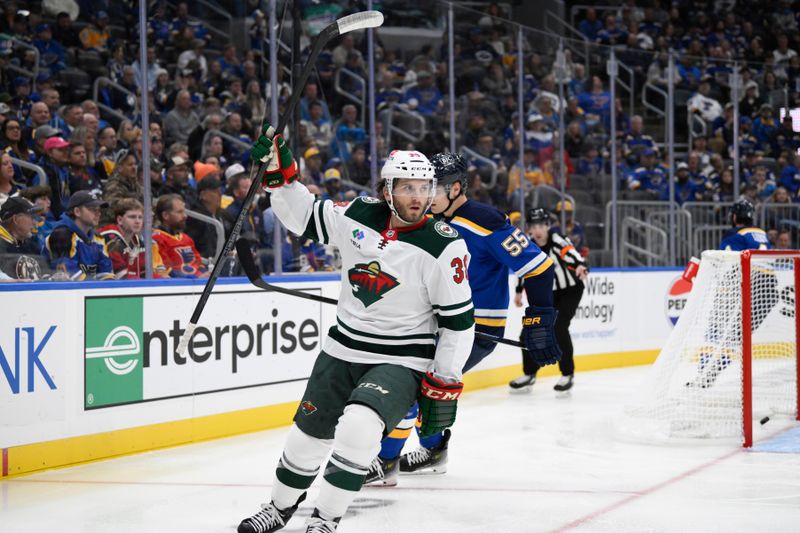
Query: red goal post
[[747, 333]]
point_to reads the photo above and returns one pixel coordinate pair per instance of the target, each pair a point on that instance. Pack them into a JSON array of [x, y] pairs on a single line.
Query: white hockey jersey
[[405, 296]]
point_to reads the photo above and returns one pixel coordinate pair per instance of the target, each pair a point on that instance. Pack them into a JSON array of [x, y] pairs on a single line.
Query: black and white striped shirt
[[565, 258]]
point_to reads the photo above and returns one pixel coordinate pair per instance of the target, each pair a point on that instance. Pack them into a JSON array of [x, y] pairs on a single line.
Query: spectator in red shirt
[[124, 242], [175, 247]]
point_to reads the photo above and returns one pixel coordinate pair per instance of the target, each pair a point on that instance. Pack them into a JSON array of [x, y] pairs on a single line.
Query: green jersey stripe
[[421, 336], [458, 322], [425, 351], [321, 218], [453, 306]]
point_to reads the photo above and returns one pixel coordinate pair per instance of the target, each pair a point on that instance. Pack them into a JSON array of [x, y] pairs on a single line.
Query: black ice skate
[[525, 381], [427, 460], [317, 524], [383, 472], [564, 384], [269, 518]]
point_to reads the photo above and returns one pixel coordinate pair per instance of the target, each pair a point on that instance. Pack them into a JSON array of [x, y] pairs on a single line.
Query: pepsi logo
[[677, 295]]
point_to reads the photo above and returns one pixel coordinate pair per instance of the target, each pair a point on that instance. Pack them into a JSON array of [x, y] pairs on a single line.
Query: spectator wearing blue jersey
[[635, 140], [685, 189], [747, 141], [786, 139], [73, 247], [765, 127], [743, 235], [425, 97], [51, 53], [650, 176], [590, 26], [611, 34], [596, 104], [790, 176]]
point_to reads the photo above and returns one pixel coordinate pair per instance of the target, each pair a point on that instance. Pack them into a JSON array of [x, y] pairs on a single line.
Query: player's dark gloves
[[538, 335], [282, 168], [438, 402]]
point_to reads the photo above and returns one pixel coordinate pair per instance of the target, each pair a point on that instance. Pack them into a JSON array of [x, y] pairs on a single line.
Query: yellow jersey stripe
[[541, 268], [494, 322], [399, 433], [470, 225]]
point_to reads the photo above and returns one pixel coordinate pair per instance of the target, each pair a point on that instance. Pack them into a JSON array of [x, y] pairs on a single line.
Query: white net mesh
[[695, 387]]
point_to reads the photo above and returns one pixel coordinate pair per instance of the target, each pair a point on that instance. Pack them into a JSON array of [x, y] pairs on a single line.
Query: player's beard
[[408, 215]]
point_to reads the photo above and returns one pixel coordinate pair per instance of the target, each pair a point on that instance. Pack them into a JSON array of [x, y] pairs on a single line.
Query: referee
[[570, 272]]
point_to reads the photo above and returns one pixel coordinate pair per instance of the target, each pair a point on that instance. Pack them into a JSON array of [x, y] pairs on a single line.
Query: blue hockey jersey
[[495, 247], [738, 239]]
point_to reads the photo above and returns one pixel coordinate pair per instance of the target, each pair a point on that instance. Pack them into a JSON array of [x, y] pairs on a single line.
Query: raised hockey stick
[[251, 271], [356, 21]]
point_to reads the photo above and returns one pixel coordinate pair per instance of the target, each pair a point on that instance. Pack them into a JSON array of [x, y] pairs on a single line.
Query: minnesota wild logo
[[369, 283]]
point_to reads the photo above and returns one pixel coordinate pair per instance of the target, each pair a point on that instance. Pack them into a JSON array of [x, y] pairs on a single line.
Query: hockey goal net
[[732, 356]]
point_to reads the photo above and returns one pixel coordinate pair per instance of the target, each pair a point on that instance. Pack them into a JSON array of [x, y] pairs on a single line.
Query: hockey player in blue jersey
[[496, 248], [743, 235]]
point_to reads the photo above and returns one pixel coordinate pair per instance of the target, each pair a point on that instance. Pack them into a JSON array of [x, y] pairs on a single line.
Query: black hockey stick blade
[[251, 271], [356, 21]]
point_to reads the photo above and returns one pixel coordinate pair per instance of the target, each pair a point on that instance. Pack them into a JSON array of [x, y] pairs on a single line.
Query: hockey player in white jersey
[[403, 331]]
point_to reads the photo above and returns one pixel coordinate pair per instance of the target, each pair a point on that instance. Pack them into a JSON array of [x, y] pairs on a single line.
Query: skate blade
[[392, 482], [435, 471], [527, 389], [564, 394]]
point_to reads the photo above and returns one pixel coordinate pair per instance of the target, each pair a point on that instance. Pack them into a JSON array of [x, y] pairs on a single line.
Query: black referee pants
[[566, 303]]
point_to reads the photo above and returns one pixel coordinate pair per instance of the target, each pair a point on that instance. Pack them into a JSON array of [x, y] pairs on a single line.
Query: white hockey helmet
[[408, 164]]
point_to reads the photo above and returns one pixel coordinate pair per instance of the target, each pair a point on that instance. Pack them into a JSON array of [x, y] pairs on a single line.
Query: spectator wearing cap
[[55, 165], [177, 180], [124, 183], [209, 203], [333, 186], [176, 248], [751, 102], [19, 251], [96, 36], [310, 96], [765, 127], [253, 225], [51, 52], [537, 138], [650, 176], [39, 136], [180, 122], [73, 246], [685, 189], [348, 132], [312, 172], [125, 243]]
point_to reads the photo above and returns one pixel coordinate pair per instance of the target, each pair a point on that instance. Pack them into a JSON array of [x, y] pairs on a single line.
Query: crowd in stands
[[207, 100]]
